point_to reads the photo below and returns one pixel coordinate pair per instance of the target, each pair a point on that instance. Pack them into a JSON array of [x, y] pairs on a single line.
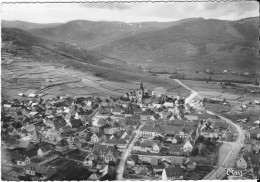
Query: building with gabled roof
[[148, 130], [62, 146], [107, 153], [172, 173], [96, 137]]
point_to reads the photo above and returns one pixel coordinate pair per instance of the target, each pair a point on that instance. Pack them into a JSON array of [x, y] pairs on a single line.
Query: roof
[[46, 147], [174, 171], [175, 148], [101, 148], [115, 141], [24, 143], [158, 166], [99, 134], [116, 110], [94, 176], [151, 128], [191, 117], [188, 129], [167, 129], [76, 122], [62, 143]]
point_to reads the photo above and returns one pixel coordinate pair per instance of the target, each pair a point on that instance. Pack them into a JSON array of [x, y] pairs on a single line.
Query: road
[[193, 92], [121, 166], [235, 146]]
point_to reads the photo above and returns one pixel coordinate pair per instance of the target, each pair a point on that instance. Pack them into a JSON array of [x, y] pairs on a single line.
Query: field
[[236, 96], [53, 74]]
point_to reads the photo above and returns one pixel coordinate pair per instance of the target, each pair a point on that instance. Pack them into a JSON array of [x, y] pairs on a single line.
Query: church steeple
[[140, 93], [141, 86]]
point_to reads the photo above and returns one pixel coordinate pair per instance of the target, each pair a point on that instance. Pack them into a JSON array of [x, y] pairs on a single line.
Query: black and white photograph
[[130, 90]]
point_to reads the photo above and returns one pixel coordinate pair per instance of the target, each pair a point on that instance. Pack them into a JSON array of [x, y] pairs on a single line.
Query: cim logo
[[232, 172]]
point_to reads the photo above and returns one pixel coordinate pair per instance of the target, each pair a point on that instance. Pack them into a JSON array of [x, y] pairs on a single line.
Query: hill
[[193, 45], [90, 34], [26, 25], [56, 68], [25, 41]]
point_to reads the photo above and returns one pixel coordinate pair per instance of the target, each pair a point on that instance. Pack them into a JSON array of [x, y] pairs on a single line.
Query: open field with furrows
[[52, 79], [214, 89]]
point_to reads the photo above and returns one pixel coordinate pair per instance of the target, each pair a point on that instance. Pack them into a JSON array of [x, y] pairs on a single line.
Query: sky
[[128, 12]]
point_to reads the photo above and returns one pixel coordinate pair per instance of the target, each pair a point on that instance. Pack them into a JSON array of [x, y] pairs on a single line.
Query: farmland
[[52, 72], [241, 105]]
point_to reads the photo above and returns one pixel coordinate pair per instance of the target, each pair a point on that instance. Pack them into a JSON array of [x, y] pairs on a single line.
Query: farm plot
[[209, 94], [82, 91], [110, 87], [219, 108], [230, 96]]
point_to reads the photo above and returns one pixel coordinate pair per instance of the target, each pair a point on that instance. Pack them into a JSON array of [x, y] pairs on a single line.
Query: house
[[45, 171], [187, 147], [171, 130], [116, 111], [242, 162], [90, 160], [175, 150], [148, 131], [12, 131], [191, 166], [107, 153], [120, 143], [94, 177], [94, 129], [82, 134], [138, 147], [156, 148], [172, 173], [111, 156], [44, 150], [154, 161], [62, 146], [25, 144], [168, 104], [176, 139], [110, 131], [191, 117], [186, 131], [76, 123], [158, 169], [130, 161], [107, 170], [96, 137], [23, 160]]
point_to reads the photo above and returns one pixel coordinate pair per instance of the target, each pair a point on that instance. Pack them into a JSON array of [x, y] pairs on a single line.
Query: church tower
[[140, 93]]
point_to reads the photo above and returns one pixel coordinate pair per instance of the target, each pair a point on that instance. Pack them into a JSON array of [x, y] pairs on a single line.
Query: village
[[142, 135]]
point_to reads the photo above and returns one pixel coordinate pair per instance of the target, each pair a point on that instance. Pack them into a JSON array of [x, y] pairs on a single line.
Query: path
[[193, 92], [236, 146], [121, 166]]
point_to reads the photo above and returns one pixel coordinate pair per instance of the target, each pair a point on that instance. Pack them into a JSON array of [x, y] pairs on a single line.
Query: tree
[[195, 151], [201, 139]]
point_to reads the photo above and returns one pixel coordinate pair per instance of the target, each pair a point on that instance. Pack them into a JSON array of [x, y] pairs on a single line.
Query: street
[[235, 146], [121, 166]]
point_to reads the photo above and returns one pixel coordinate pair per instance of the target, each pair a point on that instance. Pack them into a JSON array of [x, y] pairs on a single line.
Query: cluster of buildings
[[44, 137]]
